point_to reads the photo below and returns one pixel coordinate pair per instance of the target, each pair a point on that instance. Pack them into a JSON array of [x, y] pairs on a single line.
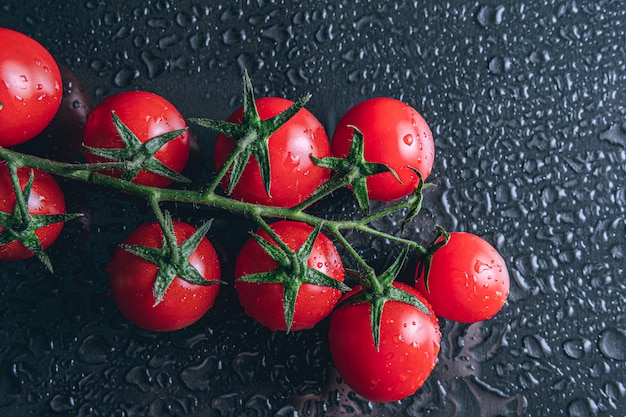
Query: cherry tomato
[[294, 177], [147, 115], [30, 88], [132, 281], [394, 134], [265, 301], [468, 279], [407, 353], [46, 197]]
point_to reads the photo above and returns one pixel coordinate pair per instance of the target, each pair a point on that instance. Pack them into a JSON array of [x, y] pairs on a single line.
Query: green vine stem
[[210, 198], [21, 203]]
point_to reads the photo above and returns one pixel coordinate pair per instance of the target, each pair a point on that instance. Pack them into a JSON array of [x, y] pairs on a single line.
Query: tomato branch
[[84, 173]]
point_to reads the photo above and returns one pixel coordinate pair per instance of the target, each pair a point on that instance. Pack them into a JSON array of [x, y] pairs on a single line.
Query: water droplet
[[489, 15], [613, 344], [292, 160], [94, 349], [61, 403], [198, 377], [615, 135], [481, 266], [577, 348], [499, 65], [125, 76], [408, 139]]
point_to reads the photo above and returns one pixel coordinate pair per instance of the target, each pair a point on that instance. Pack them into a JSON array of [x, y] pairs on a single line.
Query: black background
[[526, 103]]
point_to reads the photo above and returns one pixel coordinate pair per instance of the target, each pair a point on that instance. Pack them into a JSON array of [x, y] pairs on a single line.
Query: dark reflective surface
[[526, 103]]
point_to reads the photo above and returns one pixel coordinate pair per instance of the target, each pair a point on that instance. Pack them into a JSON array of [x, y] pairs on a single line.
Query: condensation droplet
[[125, 76], [613, 344]]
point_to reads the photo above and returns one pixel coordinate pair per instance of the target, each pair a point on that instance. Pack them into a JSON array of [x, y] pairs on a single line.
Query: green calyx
[[292, 271], [137, 155], [21, 226], [171, 258], [378, 290], [425, 260], [251, 136], [353, 170]]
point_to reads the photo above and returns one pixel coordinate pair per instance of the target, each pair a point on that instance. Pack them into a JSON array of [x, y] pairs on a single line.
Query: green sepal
[[173, 260], [425, 260], [137, 155], [292, 271], [378, 298], [21, 226], [417, 196], [353, 170], [251, 135]]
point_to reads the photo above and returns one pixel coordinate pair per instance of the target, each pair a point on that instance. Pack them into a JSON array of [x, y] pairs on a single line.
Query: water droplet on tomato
[[23, 78], [408, 139], [481, 266], [292, 160]]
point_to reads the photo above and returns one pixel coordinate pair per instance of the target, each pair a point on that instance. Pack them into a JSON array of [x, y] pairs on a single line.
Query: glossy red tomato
[[46, 197], [30, 87], [147, 115], [408, 348], [468, 279], [132, 281], [264, 301], [395, 134], [294, 177]]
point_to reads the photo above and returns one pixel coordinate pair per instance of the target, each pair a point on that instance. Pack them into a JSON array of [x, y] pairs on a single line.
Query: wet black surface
[[527, 105]]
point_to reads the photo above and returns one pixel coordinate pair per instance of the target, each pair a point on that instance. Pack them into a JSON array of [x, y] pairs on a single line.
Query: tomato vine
[[252, 133]]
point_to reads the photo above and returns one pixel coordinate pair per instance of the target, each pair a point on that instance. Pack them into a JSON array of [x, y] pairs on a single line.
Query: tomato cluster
[[273, 160]]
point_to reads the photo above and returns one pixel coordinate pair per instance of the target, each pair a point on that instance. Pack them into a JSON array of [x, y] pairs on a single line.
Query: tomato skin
[[147, 115], [408, 348], [294, 177], [132, 278], [468, 280], [264, 301], [395, 134], [30, 87], [46, 197]]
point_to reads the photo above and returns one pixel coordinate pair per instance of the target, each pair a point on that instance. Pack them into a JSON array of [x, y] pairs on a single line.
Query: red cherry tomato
[[468, 279], [294, 177], [46, 197], [147, 115], [30, 88], [394, 134], [408, 348], [264, 301], [132, 281]]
